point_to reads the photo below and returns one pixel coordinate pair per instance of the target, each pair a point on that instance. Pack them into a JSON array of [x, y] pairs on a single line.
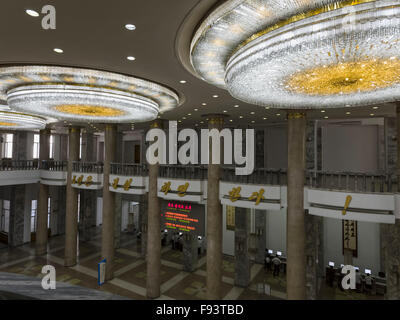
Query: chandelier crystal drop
[[302, 54]]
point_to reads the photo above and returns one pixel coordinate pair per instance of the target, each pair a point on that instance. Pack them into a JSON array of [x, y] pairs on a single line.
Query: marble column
[[242, 257], [261, 235], [190, 252], [153, 282], [88, 198], [314, 255], [143, 220], [17, 215], [108, 228], [118, 220], [42, 208], [61, 210], [214, 222], [391, 247], [296, 236], [87, 214], [398, 140], [390, 236], [20, 145], [71, 219]]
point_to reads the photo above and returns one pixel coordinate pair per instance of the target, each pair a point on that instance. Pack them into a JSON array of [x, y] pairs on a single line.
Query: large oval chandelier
[[82, 95], [302, 54], [19, 121]]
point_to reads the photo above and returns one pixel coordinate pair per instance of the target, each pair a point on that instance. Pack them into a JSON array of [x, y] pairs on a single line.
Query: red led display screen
[[183, 217]]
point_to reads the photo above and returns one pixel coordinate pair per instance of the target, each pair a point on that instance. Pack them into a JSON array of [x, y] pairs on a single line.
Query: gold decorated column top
[[296, 115], [158, 123]]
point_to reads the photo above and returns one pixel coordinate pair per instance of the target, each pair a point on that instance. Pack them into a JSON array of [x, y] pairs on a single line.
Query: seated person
[[358, 281], [340, 279], [368, 282], [267, 262], [330, 276]]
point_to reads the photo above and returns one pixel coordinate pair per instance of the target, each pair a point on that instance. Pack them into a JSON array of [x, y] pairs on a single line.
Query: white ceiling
[[92, 34]]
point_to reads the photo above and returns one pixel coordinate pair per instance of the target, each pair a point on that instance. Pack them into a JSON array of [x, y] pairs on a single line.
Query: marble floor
[[129, 273]]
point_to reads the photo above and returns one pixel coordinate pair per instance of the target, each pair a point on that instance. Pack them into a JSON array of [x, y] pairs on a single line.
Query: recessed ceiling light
[[182, 81], [32, 13], [196, 109], [130, 27], [201, 122], [372, 114], [326, 117], [322, 111], [58, 50], [215, 96], [252, 112], [204, 104], [230, 120], [265, 118], [131, 58], [375, 108], [267, 108], [348, 112], [241, 117], [184, 118], [225, 111], [236, 106], [253, 121], [278, 114], [189, 114]]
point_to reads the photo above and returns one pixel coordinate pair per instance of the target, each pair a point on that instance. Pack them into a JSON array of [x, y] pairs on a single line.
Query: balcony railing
[[87, 167], [259, 176], [343, 181], [13, 165], [129, 170], [351, 181], [183, 172], [51, 165]]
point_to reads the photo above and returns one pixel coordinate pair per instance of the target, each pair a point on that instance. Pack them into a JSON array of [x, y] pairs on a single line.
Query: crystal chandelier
[[19, 121], [302, 54], [82, 95]]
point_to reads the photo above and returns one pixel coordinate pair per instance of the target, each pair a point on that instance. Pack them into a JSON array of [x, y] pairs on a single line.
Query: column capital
[[46, 131], [74, 129], [158, 123], [397, 107], [296, 115], [215, 119], [110, 126]]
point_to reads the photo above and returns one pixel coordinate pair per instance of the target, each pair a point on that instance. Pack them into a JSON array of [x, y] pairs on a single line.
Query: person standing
[[267, 263], [277, 266]]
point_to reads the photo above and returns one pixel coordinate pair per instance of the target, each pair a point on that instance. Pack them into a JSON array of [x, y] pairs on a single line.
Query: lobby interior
[[319, 83]]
